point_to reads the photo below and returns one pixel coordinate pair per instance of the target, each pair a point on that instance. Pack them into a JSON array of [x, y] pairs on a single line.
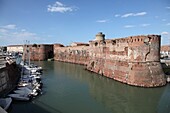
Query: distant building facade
[[15, 48], [165, 51], [38, 52], [79, 44]]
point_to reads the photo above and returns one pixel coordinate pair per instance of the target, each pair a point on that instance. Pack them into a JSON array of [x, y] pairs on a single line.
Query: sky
[[67, 21]]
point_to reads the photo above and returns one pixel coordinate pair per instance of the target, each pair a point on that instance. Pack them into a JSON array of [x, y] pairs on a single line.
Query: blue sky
[[67, 21]]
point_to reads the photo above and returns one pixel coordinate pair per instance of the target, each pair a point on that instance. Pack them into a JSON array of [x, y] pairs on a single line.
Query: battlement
[[131, 41], [133, 60]]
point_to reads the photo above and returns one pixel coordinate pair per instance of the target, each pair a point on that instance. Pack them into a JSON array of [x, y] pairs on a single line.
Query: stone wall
[[8, 78], [76, 54], [38, 52], [133, 60]]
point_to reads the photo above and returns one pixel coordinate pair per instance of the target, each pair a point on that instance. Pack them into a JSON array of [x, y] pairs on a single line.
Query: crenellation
[[131, 60]]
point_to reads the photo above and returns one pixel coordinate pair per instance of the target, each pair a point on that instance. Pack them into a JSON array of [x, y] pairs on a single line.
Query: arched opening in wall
[[103, 43], [114, 42], [92, 64], [95, 43], [131, 40], [34, 45], [152, 39], [50, 54]]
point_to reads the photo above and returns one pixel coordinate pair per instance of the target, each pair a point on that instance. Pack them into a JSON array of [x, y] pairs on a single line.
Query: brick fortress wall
[[133, 60], [76, 54], [38, 52]]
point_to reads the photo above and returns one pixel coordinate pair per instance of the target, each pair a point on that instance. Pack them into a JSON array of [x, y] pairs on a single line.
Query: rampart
[[132, 60], [38, 52], [8, 78]]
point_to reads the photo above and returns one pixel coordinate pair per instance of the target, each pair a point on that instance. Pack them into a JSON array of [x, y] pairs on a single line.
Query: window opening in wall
[[114, 42], [96, 44]]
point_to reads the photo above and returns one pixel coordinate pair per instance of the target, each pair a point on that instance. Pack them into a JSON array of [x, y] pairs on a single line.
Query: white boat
[[23, 84], [2, 110], [27, 91], [5, 102], [20, 97], [31, 77]]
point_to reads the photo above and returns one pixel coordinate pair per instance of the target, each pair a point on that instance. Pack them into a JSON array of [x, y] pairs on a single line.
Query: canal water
[[69, 88]]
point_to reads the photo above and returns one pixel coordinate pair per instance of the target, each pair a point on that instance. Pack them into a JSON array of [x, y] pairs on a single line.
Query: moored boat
[[26, 91], [5, 103], [2, 110], [20, 97]]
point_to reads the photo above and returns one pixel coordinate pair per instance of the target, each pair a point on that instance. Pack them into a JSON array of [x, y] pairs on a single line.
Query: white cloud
[[17, 36], [164, 33], [167, 7], [10, 26], [145, 25], [127, 15], [59, 7], [117, 15], [134, 14], [140, 14], [23, 30], [168, 24], [58, 4], [102, 21], [24, 34], [129, 26], [3, 31]]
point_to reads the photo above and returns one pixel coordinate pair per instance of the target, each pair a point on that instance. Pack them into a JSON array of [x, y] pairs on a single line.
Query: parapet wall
[[78, 55], [132, 60], [8, 78], [38, 52]]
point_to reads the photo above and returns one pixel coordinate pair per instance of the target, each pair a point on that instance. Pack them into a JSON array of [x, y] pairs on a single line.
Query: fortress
[[132, 60], [38, 52]]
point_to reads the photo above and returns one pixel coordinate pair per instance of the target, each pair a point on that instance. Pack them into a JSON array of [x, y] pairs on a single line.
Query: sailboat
[[30, 84]]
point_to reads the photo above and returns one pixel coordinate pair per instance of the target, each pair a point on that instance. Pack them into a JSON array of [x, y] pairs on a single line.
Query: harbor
[[68, 88], [87, 56], [20, 80], [86, 78]]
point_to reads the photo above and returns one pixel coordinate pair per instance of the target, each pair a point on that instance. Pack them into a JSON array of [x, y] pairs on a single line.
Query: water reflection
[[71, 89], [118, 97], [164, 103]]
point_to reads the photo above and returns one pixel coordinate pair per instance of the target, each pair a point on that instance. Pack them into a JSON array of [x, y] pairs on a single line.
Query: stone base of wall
[[147, 74], [9, 76]]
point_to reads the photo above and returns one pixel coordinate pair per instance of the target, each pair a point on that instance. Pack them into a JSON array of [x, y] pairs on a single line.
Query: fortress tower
[[100, 36], [133, 60]]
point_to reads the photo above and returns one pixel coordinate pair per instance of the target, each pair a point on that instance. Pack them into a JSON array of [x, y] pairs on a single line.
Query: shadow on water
[[70, 88], [29, 107], [164, 103]]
